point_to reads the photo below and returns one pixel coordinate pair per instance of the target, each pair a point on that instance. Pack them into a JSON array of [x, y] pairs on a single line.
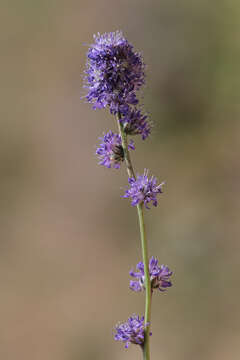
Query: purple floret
[[143, 190], [114, 72], [159, 276], [134, 123], [110, 150], [132, 331]]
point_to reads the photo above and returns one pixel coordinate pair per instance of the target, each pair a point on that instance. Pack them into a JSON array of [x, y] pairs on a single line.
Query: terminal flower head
[[114, 72], [110, 150], [132, 331], [143, 190], [159, 276]]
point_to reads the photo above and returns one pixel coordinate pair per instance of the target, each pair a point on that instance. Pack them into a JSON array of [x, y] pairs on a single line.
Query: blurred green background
[[67, 238]]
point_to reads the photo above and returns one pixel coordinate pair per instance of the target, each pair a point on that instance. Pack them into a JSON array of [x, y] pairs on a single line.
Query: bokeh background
[[67, 238]]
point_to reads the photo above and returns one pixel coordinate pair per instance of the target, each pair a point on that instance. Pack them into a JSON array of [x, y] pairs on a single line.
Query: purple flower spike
[[135, 123], [114, 72], [159, 276], [132, 331], [110, 150], [143, 190]]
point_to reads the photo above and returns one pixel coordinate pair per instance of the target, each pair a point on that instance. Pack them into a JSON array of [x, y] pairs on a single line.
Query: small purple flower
[[114, 72], [134, 123], [132, 331], [110, 150], [143, 190], [159, 276]]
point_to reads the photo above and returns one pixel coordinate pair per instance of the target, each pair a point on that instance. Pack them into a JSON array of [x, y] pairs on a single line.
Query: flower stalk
[[127, 157], [148, 291], [148, 297]]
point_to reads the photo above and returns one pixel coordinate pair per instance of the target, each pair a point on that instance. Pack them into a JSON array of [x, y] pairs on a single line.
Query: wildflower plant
[[114, 74]]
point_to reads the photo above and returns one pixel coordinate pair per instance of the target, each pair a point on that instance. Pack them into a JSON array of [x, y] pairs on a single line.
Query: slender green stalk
[[125, 149], [148, 294]]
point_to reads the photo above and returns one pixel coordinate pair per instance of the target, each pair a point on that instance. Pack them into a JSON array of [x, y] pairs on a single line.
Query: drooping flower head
[[114, 72], [110, 150], [134, 123], [143, 190], [159, 276], [132, 331]]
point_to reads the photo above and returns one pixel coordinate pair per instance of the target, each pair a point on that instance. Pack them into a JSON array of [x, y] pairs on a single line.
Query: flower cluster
[[134, 123], [132, 331], [114, 72], [159, 276], [110, 150], [143, 190]]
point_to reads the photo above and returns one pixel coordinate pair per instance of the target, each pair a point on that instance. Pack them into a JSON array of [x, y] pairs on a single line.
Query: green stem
[[125, 149], [148, 293]]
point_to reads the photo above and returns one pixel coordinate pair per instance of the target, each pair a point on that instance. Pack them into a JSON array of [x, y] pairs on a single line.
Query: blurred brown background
[[67, 238]]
